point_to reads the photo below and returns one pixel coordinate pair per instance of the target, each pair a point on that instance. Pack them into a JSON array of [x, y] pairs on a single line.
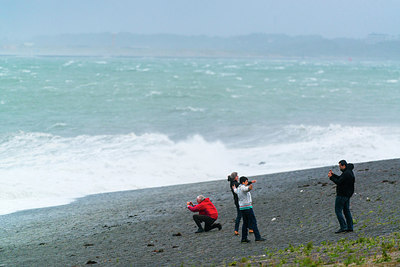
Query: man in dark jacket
[[344, 191], [234, 181]]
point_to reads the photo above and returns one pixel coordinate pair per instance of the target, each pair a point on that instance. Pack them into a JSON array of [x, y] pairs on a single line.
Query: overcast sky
[[328, 18]]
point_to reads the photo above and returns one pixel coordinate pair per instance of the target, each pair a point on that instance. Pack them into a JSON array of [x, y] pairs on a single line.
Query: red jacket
[[206, 207]]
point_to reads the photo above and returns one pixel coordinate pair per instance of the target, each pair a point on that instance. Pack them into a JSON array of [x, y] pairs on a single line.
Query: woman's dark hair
[[243, 179], [343, 162]]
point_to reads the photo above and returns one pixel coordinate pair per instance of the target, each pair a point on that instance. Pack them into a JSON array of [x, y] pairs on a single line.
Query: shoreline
[[69, 201], [152, 226]]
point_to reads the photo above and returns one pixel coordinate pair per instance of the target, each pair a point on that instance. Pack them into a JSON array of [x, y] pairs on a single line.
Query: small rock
[[177, 234], [158, 250], [389, 182], [150, 245], [175, 246], [88, 245], [91, 262]]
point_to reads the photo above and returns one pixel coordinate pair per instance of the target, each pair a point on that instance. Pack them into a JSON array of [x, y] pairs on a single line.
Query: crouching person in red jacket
[[207, 213]]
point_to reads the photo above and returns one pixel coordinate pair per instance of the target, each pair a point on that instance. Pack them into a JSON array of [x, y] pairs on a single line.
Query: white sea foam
[[153, 93], [40, 170], [209, 72], [226, 74], [69, 63], [189, 108], [231, 67], [313, 79], [392, 81], [57, 125]]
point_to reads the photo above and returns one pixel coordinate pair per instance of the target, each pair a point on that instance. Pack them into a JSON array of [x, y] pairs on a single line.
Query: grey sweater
[[244, 196]]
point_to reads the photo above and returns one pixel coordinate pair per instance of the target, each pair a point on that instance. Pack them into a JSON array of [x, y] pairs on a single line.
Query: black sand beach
[[153, 227]]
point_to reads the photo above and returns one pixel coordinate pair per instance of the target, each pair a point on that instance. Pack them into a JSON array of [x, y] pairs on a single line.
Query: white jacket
[[244, 196]]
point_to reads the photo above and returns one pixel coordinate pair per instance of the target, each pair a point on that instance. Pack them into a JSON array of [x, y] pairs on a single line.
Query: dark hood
[[350, 166]]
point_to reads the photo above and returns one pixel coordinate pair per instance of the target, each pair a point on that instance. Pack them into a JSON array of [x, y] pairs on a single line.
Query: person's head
[[200, 198], [244, 180], [342, 165], [234, 176]]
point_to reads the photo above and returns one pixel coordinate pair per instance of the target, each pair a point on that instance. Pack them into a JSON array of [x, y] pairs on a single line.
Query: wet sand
[[153, 227]]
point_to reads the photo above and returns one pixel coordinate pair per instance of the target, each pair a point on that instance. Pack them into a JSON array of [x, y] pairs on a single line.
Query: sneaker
[[245, 241], [200, 230], [236, 233], [340, 231], [260, 240], [349, 230], [219, 226], [251, 231]]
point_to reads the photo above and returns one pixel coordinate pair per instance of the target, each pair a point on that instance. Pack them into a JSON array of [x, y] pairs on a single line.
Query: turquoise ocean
[[74, 126]]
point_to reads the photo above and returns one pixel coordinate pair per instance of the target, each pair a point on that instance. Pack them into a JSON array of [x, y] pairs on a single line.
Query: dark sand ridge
[[153, 226]]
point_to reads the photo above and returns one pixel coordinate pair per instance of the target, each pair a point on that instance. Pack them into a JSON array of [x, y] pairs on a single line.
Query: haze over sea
[[71, 127]]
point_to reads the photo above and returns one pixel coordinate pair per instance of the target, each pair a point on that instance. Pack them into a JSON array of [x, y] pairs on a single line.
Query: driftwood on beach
[[153, 226]]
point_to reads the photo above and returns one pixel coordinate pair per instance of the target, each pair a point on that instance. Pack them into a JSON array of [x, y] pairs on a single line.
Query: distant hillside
[[264, 45]]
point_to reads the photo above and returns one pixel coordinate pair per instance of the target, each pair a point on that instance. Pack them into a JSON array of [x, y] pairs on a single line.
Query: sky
[[21, 19]]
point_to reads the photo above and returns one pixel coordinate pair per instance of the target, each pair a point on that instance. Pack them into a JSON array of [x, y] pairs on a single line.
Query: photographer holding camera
[[344, 191], [207, 214]]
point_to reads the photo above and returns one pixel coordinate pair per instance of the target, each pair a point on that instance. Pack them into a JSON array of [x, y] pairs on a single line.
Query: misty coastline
[[274, 46]]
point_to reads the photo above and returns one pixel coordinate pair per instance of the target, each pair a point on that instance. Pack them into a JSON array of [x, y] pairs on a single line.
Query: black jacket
[[344, 182]]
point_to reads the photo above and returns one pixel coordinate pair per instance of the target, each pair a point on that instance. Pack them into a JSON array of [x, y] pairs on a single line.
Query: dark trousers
[[209, 222], [342, 205], [249, 222], [238, 217]]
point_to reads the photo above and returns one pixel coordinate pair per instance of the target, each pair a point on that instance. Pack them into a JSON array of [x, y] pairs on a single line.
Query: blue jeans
[[249, 221], [238, 217], [342, 205]]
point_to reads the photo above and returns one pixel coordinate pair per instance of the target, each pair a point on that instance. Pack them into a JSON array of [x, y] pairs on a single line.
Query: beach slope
[[153, 227]]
